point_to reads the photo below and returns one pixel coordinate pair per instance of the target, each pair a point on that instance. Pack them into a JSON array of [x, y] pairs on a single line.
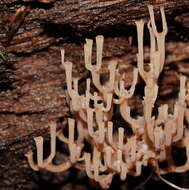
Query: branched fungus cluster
[[112, 150]]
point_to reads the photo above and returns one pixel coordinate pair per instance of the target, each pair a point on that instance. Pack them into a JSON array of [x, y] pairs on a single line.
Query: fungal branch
[[47, 163], [112, 151], [157, 59]]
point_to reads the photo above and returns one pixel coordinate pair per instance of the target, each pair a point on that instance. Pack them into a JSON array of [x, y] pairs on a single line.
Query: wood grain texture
[[32, 81]]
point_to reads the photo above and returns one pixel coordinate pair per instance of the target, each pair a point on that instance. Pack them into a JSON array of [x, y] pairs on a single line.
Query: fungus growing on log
[[113, 151]]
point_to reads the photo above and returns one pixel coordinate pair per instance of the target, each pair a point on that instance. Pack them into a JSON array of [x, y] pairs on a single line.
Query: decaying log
[[27, 26], [32, 80]]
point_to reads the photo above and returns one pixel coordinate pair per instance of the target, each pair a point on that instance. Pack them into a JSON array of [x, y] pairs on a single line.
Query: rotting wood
[[34, 45]]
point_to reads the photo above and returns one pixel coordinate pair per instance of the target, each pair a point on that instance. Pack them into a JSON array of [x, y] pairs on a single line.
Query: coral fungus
[[113, 151]]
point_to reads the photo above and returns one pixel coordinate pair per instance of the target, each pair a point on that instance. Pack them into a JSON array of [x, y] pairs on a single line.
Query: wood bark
[[32, 81]]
